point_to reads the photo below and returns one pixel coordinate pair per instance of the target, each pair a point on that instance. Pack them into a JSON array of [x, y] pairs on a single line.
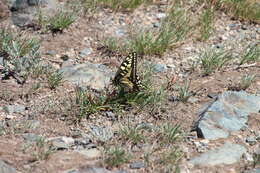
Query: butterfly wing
[[126, 75]]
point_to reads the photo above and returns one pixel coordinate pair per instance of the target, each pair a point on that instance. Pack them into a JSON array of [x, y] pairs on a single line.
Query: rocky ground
[[216, 129]]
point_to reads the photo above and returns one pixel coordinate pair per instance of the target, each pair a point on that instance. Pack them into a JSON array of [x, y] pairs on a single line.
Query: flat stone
[[85, 52], [137, 165], [90, 153], [227, 154], [31, 137], [14, 108], [95, 76], [101, 133], [5, 168], [229, 113]]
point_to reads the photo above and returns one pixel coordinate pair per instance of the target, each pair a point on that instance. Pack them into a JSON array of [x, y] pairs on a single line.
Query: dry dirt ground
[[84, 32]]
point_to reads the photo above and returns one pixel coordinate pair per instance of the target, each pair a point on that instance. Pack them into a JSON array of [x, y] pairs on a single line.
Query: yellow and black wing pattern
[[126, 76]]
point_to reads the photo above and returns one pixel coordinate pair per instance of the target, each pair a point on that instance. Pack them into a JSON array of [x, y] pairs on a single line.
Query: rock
[[32, 137], [51, 52], [95, 76], [23, 11], [120, 32], [110, 115], [160, 68], [229, 113], [160, 15], [5, 168], [257, 170], [83, 142], [14, 109], [232, 25], [157, 68], [61, 142], [85, 52], [251, 140], [101, 133], [90, 153], [137, 165], [192, 100], [227, 154]]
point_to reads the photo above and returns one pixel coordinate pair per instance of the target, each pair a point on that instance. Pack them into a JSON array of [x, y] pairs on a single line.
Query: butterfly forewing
[[126, 75]]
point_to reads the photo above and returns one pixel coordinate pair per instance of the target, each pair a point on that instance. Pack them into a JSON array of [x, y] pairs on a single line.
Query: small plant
[[244, 83], [256, 158], [169, 133], [60, 21], [251, 54], [21, 54], [212, 60], [54, 79], [42, 149], [132, 133], [116, 156], [170, 159], [87, 103], [206, 23], [184, 93], [246, 10], [173, 29]]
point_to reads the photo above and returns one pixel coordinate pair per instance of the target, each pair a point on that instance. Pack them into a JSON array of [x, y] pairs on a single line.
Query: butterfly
[[126, 76]]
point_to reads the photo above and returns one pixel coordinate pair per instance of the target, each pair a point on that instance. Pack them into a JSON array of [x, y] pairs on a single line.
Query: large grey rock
[[95, 76], [101, 133], [14, 108], [227, 154], [23, 11], [5, 168], [229, 113]]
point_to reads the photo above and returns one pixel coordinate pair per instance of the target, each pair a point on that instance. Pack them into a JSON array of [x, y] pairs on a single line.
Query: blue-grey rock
[[101, 133], [156, 67], [95, 76], [50, 52], [5, 168], [232, 25], [227, 154], [160, 68], [229, 113], [161, 15], [85, 52], [251, 140], [257, 170], [1, 61], [137, 165], [14, 108], [156, 24], [120, 32], [32, 137]]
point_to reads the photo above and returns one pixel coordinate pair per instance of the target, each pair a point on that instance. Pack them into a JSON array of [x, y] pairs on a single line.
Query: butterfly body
[[126, 76]]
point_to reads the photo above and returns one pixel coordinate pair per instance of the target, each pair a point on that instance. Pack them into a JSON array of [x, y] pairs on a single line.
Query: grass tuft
[[251, 54], [132, 134], [116, 156], [212, 60], [206, 28], [60, 21]]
